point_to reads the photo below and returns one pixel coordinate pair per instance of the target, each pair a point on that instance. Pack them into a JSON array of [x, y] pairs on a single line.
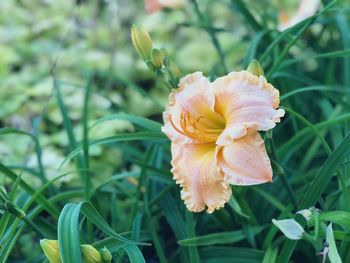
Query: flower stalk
[[7, 205]]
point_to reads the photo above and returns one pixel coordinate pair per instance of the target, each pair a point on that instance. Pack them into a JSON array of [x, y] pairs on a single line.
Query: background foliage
[[81, 116]]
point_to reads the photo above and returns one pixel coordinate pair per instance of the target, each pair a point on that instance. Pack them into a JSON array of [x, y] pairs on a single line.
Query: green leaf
[[236, 207], [68, 234], [333, 252], [134, 253], [85, 143], [292, 144], [218, 238], [231, 255], [137, 136], [253, 46], [93, 216], [337, 217], [325, 174], [314, 88], [270, 255], [318, 186], [6, 131], [241, 7], [141, 121], [40, 198], [68, 231]]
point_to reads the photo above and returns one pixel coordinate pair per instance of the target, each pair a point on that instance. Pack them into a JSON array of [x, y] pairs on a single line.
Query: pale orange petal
[[306, 9], [152, 6], [245, 161], [195, 169], [195, 100], [245, 101]]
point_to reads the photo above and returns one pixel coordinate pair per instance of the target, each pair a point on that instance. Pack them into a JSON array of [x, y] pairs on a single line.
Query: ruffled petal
[[245, 101], [190, 111], [245, 161], [195, 169]]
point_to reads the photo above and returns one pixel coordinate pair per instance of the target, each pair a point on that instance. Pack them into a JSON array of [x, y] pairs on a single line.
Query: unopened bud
[[15, 210], [290, 228], [255, 68], [106, 255], [174, 69], [141, 41], [51, 250], [90, 254], [157, 58]]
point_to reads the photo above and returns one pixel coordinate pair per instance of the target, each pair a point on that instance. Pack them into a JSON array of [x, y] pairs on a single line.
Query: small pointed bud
[[306, 213], [141, 41], [51, 251], [14, 210], [255, 68], [106, 255], [157, 58], [173, 67], [90, 254]]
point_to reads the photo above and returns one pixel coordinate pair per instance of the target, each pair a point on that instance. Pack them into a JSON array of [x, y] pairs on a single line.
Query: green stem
[[33, 226], [317, 225], [211, 32], [280, 173]]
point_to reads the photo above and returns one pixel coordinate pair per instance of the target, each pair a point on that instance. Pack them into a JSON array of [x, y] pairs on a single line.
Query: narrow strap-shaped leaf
[[270, 255], [333, 252], [137, 136], [141, 121], [317, 187], [5, 131], [337, 217], [68, 234], [218, 238], [93, 216], [326, 173], [40, 198], [134, 253]]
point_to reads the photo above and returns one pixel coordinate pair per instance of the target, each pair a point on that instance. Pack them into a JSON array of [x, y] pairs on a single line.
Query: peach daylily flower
[[306, 9], [153, 6], [213, 128]]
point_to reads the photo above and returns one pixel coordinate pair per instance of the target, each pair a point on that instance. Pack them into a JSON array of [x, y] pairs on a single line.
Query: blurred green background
[[69, 43]]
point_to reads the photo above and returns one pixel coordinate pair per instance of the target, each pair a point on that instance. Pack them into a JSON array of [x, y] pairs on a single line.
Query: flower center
[[199, 128]]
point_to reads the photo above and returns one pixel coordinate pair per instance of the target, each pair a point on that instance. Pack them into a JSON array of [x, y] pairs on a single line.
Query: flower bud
[[290, 228], [15, 210], [255, 68], [306, 213], [106, 255], [50, 248], [90, 254], [157, 58], [141, 41]]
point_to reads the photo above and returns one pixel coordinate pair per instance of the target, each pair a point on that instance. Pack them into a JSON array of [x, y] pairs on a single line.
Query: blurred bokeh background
[[66, 43]]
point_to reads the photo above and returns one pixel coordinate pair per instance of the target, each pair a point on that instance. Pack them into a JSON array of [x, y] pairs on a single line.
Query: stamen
[[189, 127]]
